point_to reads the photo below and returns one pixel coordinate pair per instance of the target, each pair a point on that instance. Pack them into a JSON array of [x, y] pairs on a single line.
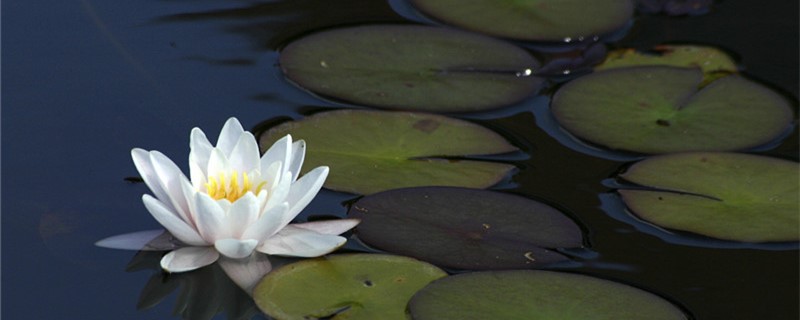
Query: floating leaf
[[535, 20], [371, 151], [714, 62], [411, 68], [465, 228], [729, 196], [352, 286], [661, 110], [535, 294]]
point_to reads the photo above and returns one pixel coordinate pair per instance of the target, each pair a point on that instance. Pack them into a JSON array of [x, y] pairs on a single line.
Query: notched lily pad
[[351, 286], [407, 67], [535, 294], [465, 228], [656, 109], [714, 62], [534, 20], [372, 151], [729, 196]]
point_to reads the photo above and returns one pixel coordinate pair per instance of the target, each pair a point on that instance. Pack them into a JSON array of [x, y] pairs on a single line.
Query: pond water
[[84, 81]]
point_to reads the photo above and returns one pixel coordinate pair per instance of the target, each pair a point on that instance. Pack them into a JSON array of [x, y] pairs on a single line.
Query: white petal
[[280, 151], [246, 273], [200, 151], [130, 241], [333, 227], [245, 156], [299, 242], [198, 174], [174, 224], [280, 192], [229, 135], [171, 176], [235, 248], [298, 155], [272, 174], [268, 224], [188, 259], [242, 214], [305, 189], [217, 163], [141, 159], [189, 192], [210, 218]]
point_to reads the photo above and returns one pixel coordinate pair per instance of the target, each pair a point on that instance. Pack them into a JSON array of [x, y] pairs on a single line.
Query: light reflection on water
[[74, 106]]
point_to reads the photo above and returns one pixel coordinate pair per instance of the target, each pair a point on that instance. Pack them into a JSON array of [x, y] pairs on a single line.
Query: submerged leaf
[[714, 62]]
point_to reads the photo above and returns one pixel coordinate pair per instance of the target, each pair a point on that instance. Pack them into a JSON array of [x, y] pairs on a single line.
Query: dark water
[[84, 81]]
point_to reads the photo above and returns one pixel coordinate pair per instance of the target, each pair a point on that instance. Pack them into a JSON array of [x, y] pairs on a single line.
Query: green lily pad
[[535, 294], [714, 62], [372, 151], [535, 20], [409, 67], [351, 286], [465, 228], [728, 196], [659, 109]]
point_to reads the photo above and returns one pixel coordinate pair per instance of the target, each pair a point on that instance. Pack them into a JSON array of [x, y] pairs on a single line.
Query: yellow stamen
[[223, 187]]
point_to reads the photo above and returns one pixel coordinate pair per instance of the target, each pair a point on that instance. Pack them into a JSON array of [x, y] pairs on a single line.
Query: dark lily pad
[[535, 294], [409, 67], [353, 286], [714, 62], [728, 196], [535, 20], [658, 109], [465, 228], [371, 151]]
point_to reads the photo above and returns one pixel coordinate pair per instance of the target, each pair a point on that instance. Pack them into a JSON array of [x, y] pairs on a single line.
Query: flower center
[[232, 186]]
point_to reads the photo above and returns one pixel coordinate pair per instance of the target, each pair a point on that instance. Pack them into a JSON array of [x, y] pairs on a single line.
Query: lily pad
[[534, 20], [352, 286], [728, 196], [372, 151], [465, 228], [657, 109], [714, 62], [536, 294], [411, 67]]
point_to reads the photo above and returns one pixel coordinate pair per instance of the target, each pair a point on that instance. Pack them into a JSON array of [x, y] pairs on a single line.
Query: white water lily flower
[[236, 203]]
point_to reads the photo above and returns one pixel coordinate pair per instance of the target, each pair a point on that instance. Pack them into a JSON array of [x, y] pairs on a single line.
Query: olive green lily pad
[[410, 67], [535, 20], [658, 109], [465, 228], [728, 196], [351, 286], [535, 295], [371, 151], [714, 62]]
